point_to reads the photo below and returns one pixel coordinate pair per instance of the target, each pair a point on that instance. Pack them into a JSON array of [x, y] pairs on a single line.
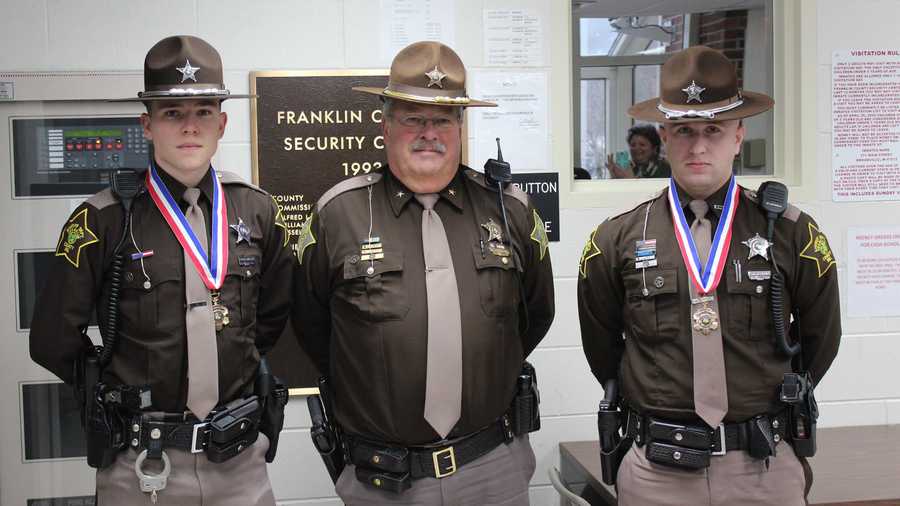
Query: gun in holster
[[325, 433], [526, 415], [273, 394], [103, 427], [797, 393], [612, 445]]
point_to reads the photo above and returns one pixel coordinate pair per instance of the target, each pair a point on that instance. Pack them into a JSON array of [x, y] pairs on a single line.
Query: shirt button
[[129, 277], [370, 270], [659, 282], [504, 260], [354, 259], [759, 289]]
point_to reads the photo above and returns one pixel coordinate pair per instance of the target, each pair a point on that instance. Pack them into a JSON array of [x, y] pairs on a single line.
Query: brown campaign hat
[[699, 84], [427, 73], [182, 67]]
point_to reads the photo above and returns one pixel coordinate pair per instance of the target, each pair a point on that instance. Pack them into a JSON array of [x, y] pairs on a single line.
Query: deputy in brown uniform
[[676, 302], [196, 309], [420, 304]]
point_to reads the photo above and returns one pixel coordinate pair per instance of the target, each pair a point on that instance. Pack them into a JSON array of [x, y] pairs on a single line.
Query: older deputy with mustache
[[420, 304]]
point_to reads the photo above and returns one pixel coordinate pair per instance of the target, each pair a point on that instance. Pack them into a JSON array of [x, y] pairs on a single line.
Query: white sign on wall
[[520, 119], [865, 102], [874, 277], [512, 38], [406, 21]]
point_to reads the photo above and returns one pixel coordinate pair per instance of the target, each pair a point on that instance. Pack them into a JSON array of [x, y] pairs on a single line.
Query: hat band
[[440, 96], [180, 92], [710, 113]]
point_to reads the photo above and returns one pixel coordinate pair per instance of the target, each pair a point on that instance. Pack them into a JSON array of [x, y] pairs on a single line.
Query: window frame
[[794, 64]]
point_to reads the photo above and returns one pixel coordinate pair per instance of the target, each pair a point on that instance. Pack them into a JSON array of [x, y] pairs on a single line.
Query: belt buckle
[[721, 430], [195, 448], [440, 470]]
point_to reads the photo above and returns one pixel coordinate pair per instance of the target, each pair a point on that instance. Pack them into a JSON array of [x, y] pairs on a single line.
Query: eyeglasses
[[419, 122]]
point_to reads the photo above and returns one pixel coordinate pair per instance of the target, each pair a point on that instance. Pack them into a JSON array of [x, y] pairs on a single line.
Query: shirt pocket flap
[[484, 259], [655, 281], [356, 268]]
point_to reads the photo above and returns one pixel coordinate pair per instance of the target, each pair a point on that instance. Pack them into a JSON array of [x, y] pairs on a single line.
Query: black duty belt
[[393, 467], [226, 432], [690, 446]]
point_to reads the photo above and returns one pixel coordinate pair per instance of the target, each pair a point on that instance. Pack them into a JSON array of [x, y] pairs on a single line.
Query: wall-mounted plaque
[[310, 130]]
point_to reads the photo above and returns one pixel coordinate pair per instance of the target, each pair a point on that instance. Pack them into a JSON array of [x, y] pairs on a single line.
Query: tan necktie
[[710, 388], [443, 382], [203, 361]]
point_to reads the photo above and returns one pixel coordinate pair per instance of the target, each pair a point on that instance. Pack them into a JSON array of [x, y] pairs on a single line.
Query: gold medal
[[705, 320], [220, 312]]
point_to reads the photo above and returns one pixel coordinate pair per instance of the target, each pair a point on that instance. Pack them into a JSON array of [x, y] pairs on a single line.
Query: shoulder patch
[[226, 177], [306, 237], [75, 236], [590, 251], [346, 185], [279, 222], [818, 250], [511, 189], [539, 233], [103, 199]]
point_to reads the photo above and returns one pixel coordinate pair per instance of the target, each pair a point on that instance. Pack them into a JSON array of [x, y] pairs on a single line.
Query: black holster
[[103, 427], [326, 436], [797, 393], [273, 395], [525, 412], [613, 446]]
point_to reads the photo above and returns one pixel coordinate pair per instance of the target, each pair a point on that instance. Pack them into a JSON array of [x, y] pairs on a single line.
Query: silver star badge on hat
[[188, 72], [758, 246], [693, 91], [435, 76], [243, 232]]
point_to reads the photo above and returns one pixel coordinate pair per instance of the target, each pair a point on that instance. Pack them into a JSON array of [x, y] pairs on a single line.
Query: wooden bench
[[857, 466]]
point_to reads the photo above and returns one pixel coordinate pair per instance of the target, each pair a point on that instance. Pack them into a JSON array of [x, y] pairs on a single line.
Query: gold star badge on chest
[[493, 230], [758, 246]]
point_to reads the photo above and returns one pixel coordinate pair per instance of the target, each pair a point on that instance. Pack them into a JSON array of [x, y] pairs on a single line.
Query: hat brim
[[469, 102], [754, 103], [157, 98]]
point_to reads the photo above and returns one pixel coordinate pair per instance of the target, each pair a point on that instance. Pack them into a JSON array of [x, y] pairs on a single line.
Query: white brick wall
[[861, 389]]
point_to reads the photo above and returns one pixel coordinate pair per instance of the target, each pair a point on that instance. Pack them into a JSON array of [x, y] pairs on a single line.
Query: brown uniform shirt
[[653, 361], [369, 331], [151, 347]]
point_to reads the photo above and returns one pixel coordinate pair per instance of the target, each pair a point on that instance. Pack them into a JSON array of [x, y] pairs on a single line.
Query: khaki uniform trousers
[[193, 480], [733, 479], [499, 478]]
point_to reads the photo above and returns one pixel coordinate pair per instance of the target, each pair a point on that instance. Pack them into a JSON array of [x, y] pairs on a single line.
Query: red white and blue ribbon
[[211, 267], [705, 277]]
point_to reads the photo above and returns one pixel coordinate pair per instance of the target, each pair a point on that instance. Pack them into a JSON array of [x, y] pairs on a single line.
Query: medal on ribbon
[[211, 267], [704, 277]]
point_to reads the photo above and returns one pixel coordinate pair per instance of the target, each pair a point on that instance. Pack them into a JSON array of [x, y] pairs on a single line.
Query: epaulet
[[346, 185], [655, 196], [511, 189], [226, 177], [792, 213], [103, 199]]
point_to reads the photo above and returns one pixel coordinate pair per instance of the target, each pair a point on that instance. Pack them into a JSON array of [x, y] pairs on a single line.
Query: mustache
[[423, 145]]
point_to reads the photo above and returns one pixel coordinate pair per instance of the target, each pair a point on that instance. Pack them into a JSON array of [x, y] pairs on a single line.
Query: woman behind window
[[644, 145]]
